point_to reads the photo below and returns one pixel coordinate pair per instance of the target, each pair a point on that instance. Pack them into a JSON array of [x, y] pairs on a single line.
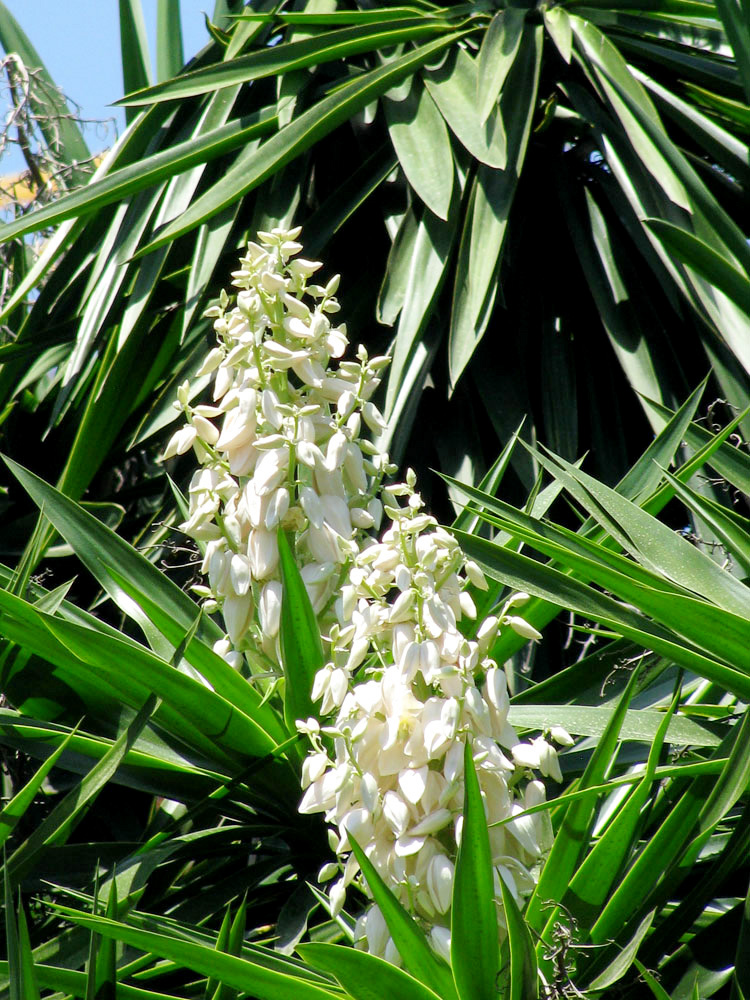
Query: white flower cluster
[[287, 451], [405, 686], [409, 690]]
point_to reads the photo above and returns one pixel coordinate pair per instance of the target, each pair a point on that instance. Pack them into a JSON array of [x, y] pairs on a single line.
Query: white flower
[[522, 627], [440, 882]]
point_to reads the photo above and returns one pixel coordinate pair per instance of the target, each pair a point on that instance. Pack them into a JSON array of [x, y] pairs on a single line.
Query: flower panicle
[[280, 442], [403, 688]]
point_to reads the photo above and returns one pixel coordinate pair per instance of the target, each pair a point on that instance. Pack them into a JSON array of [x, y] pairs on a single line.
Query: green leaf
[[741, 979], [63, 818], [134, 47], [734, 15], [243, 974], [453, 87], [652, 543], [732, 782], [625, 958], [557, 23], [522, 971], [489, 209], [572, 836], [594, 879], [22, 980], [418, 957], [658, 856], [147, 595], [121, 184], [716, 268], [420, 138], [653, 984], [729, 151], [109, 669], [301, 133], [640, 724], [363, 976], [631, 105], [724, 523], [169, 56], [423, 273], [392, 294], [73, 983], [21, 801], [102, 971], [496, 56], [287, 57], [230, 940], [474, 928], [468, 519], [212, 985], [315, 18], [301, 648], [28, 988], [524, 574]]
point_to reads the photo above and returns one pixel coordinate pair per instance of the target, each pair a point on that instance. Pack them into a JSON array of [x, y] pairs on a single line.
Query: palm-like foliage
[[534, 199]]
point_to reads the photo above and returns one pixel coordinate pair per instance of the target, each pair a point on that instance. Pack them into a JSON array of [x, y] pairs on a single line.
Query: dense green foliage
[[543, 210]]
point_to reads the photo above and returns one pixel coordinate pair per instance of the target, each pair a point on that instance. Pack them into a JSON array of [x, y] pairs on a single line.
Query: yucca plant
[[157, 849]]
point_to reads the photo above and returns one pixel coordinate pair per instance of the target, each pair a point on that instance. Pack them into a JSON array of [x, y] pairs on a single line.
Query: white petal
[[412, 782]]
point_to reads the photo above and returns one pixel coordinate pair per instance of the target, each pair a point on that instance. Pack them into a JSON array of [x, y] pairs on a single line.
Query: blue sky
[[79, 42]]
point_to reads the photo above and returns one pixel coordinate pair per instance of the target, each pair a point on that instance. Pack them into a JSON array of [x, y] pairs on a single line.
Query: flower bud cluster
[[279, 444], [403, 688]]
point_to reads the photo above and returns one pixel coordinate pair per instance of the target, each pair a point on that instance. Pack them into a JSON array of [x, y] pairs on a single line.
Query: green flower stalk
[[402, 690]]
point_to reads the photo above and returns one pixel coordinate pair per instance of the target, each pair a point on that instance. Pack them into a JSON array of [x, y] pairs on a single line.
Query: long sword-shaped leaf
[[595, 877], [425, 272], [725, 524], [140, 590], [299, 135], [421, 141], [734, 16], [708, 262], [474, 930], [196, 714], [57, 826], [524, 574], [363, 976], [288, 57], [487, 219], [641, 884], [21, 801], [454, 89], [169, 55], [641, 724], [570, 841], [724, 634], [418, 957], [654, 544], [241, 973], [299, 633], [521, 971], [136, 72], [122, 183], [496, 56]]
